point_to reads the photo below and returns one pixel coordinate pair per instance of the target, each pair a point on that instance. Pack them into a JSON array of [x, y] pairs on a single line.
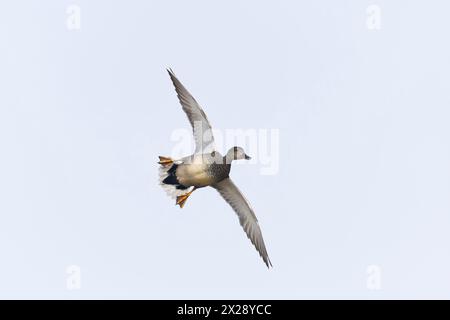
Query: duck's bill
[[247, 157]]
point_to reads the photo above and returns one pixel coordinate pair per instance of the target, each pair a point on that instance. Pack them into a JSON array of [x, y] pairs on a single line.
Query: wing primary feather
[[201, 128], [247, 217]]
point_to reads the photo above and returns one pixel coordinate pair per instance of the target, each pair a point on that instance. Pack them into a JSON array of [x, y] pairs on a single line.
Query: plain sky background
[[364, 173]]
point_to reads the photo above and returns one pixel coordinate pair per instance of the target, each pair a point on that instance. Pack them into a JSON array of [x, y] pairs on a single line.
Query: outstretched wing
[[247, 217], [204, 139]]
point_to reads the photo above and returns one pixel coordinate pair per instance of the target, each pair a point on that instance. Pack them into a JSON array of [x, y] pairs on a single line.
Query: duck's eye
[[213, 154]]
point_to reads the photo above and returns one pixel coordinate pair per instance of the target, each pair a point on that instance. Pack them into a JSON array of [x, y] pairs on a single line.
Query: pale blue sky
[[364, 175]]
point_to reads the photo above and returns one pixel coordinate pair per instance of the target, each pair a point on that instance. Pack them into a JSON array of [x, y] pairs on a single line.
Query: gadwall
[[207, 167]]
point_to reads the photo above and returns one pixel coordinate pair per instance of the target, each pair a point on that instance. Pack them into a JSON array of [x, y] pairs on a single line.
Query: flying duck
[[207, 167]]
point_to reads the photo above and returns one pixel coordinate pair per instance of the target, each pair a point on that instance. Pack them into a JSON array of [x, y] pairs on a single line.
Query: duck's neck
[[225, 168], [227, 160], [229, 157]]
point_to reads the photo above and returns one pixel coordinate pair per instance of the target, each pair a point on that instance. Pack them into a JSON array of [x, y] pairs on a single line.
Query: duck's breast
[[194, 174]]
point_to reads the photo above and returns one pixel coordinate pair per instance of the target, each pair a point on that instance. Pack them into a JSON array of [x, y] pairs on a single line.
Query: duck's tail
[[168, 178]]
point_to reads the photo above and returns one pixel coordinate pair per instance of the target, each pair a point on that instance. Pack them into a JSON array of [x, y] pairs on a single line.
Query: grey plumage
[[202, 131], [247, 217]]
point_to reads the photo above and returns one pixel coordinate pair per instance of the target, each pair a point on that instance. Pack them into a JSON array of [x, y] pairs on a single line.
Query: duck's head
[[237, 153]]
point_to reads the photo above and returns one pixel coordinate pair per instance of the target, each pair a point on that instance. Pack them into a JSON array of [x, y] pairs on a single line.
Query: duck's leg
[[181, 200], [165, 161]]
